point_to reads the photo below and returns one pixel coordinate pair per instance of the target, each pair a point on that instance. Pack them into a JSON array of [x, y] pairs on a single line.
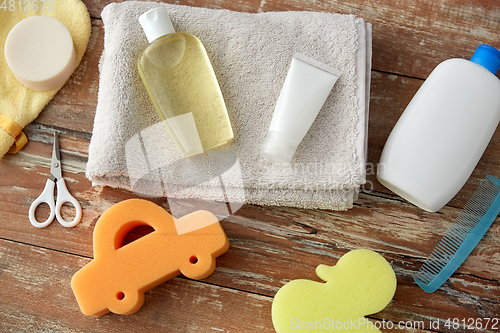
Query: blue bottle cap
[[488, 57]]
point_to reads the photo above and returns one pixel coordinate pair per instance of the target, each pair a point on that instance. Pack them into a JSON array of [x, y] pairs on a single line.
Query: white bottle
[[442, 134]]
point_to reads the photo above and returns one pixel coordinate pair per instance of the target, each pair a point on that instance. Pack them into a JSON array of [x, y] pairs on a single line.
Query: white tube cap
[[156, 23], [278, 148]]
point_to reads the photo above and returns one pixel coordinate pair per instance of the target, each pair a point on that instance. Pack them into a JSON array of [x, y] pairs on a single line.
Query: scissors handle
[[64, 196], [47, 197]]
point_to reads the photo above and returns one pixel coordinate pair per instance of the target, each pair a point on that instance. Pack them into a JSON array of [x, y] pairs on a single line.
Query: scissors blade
[[55, 166]]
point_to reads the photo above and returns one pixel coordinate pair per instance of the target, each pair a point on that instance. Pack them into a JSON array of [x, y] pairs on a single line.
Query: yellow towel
[[19, 105]]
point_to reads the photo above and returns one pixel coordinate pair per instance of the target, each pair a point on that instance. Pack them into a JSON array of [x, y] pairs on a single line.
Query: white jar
[[442, 134]]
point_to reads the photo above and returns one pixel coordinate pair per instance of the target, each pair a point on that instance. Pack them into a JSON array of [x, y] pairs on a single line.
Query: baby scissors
[[63, 194]]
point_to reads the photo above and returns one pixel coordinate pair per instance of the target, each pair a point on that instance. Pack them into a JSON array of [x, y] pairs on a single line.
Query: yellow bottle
[[182, 86]]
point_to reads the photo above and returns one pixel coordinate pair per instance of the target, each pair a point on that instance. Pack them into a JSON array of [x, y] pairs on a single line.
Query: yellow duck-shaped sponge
[[361, 283]]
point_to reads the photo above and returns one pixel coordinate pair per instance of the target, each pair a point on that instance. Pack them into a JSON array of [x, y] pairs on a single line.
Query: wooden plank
[[272, 245], [393, 48], [36, 296], [39, 295], [27, 172], [73, 107], [23, 179], [409, 37], [269, 245]]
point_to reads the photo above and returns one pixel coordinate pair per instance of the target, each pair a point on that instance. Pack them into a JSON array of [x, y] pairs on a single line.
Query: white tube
[[307, 85]]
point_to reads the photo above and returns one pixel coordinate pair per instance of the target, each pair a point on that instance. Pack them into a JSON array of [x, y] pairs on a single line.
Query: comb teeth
[[462, 237]]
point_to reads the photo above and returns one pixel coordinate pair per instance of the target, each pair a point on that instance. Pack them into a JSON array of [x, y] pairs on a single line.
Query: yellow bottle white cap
[[40, 52]]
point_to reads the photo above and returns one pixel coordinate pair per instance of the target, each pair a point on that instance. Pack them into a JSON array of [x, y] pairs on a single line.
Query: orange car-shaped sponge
[[118, 276]]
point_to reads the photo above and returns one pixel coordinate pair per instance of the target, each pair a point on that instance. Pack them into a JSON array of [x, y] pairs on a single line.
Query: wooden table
[[269, 245]]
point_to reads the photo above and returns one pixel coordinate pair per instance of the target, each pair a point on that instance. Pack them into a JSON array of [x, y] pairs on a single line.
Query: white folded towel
[[250, 54]]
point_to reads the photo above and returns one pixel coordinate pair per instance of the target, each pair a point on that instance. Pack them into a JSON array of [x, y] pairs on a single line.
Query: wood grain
[[43, 290], [269, 245], [410, 37]]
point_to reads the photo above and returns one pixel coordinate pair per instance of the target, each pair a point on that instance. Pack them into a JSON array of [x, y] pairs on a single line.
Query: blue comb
[[462, 237]]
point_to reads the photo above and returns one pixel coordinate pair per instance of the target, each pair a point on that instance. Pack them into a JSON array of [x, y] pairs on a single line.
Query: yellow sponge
[[19, 105], [361, 283], [118, 277]]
